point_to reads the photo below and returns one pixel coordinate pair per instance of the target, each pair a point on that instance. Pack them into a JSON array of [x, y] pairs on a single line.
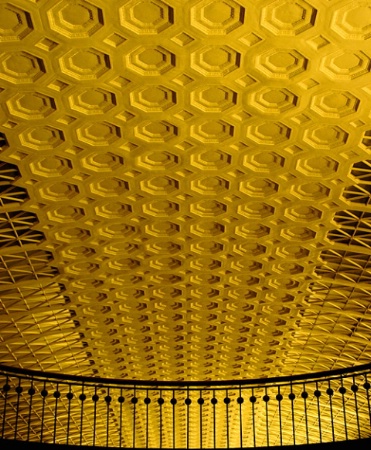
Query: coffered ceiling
[[185, 187]]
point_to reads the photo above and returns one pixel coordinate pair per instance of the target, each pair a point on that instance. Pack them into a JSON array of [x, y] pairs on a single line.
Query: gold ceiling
[[185, 186]]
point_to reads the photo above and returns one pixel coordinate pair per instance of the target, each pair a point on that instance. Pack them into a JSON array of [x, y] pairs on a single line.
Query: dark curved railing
[[304, 409]]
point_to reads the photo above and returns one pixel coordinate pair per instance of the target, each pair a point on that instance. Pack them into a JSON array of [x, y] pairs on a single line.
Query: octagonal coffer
[[31, 105], [157, 159], [153, 98], [50, 166], [264, 162], [259, 187], [21, 67], [108, 186], [281, 63], [102, 161], [58, 191], [345, 64], [92, 101], [151, 60], [42, 138], [219, 17], [212, 131], [268, 133], [208, 208], [325, 136], [112, 209], [156, 131], [288, 18], [146, 17], [272, 100], [66, 213], [215, 60], [160, 185], [211, 159], [335, 103], [15, 23], [353, 20], [98, 133], [161, 208], [75, 19], [84, 64], [213, 98]]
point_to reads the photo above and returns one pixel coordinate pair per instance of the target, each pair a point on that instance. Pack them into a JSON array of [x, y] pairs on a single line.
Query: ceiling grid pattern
[[185, 188]]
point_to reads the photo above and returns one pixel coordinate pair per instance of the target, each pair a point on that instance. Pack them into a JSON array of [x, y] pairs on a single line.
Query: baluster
[[121, 400], [95, 399], [367, 386], [227, 401], [354, 389], [31, 393], [134, 401], [200, 401], [18, 390], [6, 389], [279, 399], [147, 401], [240, 401], [82, 398], [253, 400], [304, 396], [69, 398], [161, 402], [330, 393], [266, 400], [173, 401], [214, 401], [187, 401], [342, 391], [44, 394], [317, 394], [56, 395], [292, 399], [108, 400]]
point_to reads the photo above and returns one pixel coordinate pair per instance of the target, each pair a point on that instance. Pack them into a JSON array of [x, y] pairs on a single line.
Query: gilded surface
[[185, 186]]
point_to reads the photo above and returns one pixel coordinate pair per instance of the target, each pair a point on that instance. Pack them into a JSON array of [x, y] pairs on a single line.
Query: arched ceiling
[[185, 186]]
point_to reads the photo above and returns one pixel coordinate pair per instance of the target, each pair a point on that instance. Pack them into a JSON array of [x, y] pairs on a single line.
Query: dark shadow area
[[341, 445]]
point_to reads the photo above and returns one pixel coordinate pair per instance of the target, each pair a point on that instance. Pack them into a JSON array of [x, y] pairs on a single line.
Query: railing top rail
[[292, 379]]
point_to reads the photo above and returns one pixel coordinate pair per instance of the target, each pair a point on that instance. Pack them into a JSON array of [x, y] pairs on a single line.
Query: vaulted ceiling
[[185, 187]]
